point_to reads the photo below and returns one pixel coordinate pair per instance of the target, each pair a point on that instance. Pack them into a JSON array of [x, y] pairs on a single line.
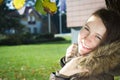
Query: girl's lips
[[85, 46]]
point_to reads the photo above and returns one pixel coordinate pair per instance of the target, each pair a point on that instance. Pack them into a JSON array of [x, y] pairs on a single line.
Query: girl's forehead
[[95, 21], [93, 18], [96, 25]]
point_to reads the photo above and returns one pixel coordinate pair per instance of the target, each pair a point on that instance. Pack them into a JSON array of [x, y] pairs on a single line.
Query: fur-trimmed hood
[[104, 60], [101, 64]]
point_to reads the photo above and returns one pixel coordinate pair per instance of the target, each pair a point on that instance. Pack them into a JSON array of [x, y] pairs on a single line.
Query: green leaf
[[39, 7]]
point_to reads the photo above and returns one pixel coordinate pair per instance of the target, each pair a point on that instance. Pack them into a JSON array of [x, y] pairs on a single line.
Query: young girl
[[96, 56]]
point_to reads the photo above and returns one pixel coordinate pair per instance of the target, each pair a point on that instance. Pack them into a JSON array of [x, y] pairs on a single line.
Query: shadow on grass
[[55, 40]]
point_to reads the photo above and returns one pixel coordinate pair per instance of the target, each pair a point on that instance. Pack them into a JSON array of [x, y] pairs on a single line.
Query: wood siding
[[78, 11]]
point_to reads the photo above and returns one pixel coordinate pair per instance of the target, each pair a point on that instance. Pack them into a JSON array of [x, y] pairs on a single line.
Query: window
[[31, 20]]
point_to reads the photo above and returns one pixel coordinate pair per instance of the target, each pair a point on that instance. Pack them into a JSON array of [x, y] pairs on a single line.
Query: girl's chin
[[83, 52]]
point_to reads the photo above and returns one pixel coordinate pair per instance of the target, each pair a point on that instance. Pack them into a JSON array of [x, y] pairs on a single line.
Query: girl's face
[[91, 35]]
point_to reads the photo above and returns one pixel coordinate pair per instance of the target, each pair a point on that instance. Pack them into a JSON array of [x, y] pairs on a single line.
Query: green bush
[[16, 39]]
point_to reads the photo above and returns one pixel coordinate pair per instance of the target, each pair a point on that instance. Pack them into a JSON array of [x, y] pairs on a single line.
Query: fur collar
[[102, 60], [107, 50]]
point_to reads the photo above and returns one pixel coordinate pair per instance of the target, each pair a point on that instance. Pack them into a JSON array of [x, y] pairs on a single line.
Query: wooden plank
[[78, 11]]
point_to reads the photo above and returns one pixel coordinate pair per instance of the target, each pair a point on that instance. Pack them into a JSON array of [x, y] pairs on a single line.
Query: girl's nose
[[88, 38]]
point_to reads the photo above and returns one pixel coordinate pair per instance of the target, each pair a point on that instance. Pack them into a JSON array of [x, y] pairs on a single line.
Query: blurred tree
[[1, 2], [7, 22]]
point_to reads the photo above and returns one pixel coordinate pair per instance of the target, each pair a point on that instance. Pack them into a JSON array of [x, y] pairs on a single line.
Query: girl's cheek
[[96, 44], [81, 35]]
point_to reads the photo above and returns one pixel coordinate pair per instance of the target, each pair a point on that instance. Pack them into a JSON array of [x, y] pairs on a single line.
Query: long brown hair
[[111, 20]]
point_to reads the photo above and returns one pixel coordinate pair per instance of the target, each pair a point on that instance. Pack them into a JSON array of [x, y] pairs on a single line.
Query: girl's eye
[[98, 37], [86, 28]]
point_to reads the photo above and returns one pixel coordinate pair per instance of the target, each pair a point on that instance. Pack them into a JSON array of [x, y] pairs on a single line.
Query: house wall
[[78, 12], [34, 28]]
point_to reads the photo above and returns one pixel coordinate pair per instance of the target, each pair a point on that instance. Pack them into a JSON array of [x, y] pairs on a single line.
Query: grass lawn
[[31, 62]]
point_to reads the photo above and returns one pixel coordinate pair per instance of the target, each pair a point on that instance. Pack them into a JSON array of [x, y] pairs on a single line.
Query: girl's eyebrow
[[87, 25], [99, 35]]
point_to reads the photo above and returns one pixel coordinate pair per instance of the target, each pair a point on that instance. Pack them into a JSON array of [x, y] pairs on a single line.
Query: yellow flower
[[18, 3], [45, 6]]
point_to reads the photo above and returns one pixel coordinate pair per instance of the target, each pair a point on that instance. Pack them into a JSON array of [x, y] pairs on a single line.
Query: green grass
[[31, 62]]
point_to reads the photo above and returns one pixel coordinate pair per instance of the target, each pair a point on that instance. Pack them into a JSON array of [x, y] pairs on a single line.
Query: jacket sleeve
[[100, 61]]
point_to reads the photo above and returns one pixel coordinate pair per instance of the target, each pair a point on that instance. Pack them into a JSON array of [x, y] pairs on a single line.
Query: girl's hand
[[73, 67], [71, 52]]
